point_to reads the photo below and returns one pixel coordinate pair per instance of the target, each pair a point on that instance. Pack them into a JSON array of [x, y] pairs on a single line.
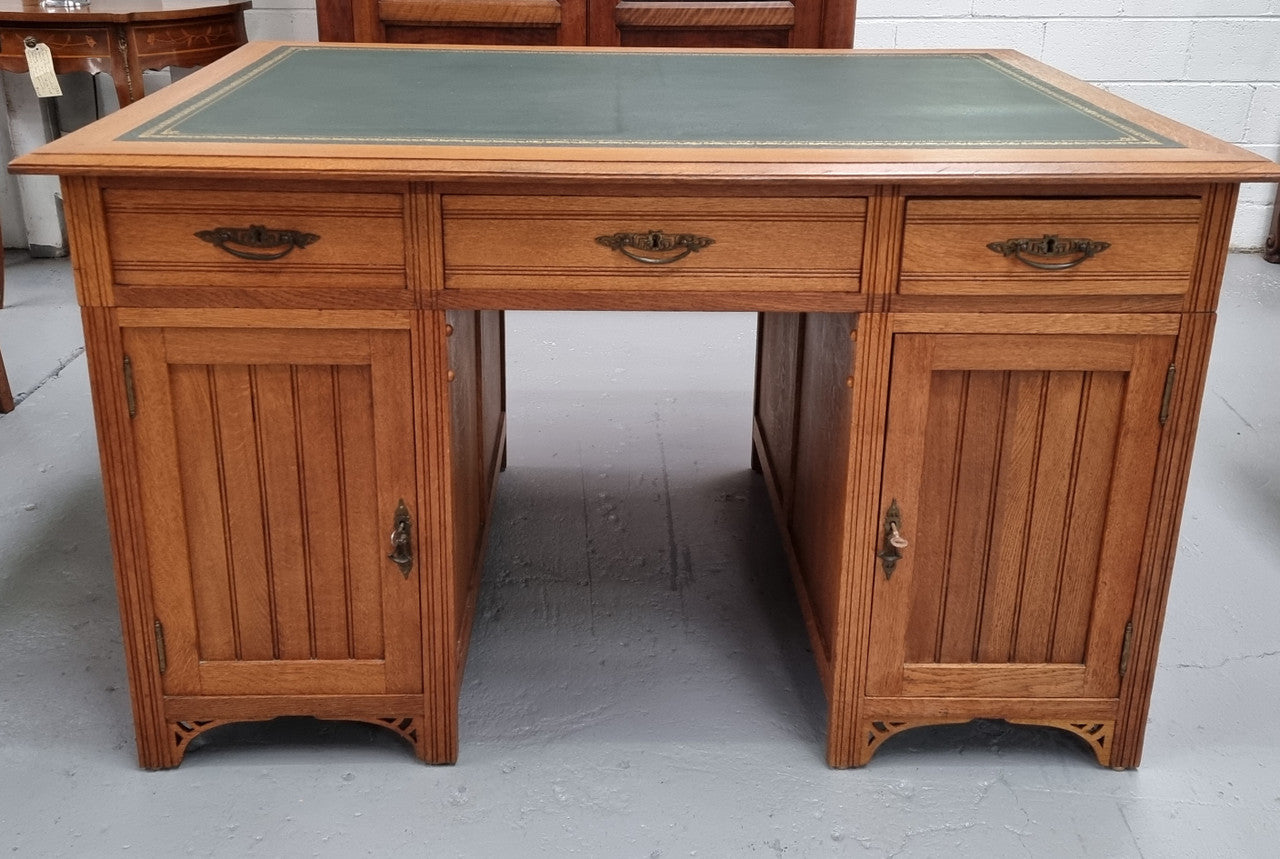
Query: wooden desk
[[987, 294]]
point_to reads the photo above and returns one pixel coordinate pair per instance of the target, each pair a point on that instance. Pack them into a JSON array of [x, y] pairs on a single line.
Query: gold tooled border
[[167, 126]]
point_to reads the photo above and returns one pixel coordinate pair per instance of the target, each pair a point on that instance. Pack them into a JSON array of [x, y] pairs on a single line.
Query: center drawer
[[778, 244]]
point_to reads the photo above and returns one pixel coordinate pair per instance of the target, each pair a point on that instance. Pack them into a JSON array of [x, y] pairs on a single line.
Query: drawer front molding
[[1029, 248], [257, 239], [653, 244]]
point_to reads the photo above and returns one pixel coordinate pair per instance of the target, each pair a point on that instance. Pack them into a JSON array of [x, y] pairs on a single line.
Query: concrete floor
[[639, 682]]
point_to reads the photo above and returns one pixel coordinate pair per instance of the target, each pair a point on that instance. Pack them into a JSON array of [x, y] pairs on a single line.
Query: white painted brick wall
[[1212, 64]]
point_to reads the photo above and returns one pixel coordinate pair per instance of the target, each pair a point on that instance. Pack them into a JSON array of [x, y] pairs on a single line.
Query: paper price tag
[[40, 67]]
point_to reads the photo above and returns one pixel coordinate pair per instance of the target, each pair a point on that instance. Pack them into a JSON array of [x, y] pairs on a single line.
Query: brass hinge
[[130, 396], [1126, 649], [162, 655], [1168, 393]]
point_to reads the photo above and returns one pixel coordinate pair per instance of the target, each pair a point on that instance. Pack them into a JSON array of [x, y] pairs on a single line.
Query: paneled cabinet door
[[721, 23], [273, 466], [1019, 470], [602, 23], [462, 22]]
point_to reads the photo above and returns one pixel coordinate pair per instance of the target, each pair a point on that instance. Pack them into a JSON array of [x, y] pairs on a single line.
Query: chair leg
[[6, 393]]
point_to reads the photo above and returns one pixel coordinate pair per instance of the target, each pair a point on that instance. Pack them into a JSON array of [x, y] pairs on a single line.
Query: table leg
[[6, 393], [1271, 253], [128, 90], [50, 118]]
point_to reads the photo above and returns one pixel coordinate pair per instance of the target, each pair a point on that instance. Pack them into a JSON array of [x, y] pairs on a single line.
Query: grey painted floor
[[639, 683]]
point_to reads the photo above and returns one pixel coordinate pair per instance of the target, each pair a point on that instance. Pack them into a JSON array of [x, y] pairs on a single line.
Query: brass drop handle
[[402, 540], [890, 554], [1049, 247], [641, 247], [257, 242]]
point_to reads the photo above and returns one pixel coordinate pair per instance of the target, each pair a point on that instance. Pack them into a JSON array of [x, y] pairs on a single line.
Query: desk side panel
[[128, 546], [802, 426], [467, 458], [780, 339], [477, 447], [821, 501], [1172, 472]]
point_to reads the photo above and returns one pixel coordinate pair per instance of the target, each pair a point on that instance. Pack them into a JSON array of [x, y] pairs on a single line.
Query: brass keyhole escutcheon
[[402, 540], [893, 541]]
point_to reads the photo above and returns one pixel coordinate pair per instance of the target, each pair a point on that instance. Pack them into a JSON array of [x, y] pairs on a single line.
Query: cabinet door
[[462, 22], [272, 465], [1022, 469], [721, 23]]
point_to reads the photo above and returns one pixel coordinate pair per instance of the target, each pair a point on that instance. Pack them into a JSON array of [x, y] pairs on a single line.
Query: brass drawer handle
[[262, 244], [641, 246], [1051, 247]]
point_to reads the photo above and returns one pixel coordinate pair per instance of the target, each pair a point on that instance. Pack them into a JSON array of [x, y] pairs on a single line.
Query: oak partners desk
[[987, 296]]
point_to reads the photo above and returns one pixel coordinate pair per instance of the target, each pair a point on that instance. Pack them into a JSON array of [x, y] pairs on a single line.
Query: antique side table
[[121, 38]]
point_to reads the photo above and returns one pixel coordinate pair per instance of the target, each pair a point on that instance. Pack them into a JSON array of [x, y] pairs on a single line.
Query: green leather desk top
[[360, 95]]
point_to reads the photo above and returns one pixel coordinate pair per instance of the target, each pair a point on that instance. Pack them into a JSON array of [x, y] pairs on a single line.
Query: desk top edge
[[98, 149]]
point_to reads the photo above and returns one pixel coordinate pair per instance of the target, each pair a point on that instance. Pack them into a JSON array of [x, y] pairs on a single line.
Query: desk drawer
[[248, 238], [1034, 248], [652, 244]]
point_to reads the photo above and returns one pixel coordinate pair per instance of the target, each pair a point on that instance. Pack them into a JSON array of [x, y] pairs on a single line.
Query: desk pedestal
[[977, 465]]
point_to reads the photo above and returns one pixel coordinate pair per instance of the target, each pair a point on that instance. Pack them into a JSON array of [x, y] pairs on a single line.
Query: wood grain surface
[[260, 421]]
